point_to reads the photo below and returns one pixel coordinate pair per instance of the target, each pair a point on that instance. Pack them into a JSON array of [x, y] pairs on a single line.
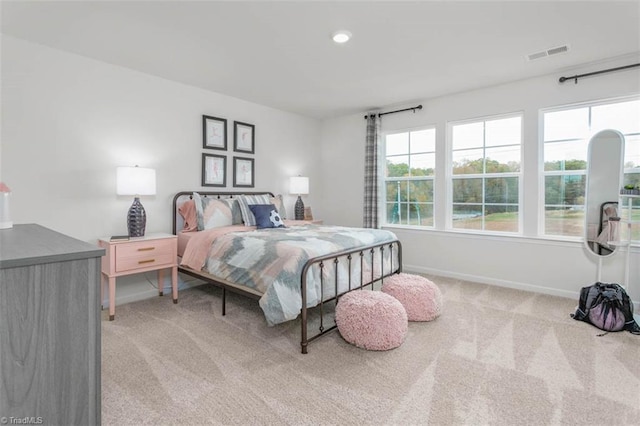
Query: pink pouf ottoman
[[420, 297], [371, 320]]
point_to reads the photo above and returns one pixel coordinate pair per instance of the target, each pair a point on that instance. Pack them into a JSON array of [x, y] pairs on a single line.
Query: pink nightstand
[[149, 253]]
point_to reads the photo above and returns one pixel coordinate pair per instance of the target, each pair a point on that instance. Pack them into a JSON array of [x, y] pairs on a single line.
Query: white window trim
[[541, 172], [382, 193], [449, 176]]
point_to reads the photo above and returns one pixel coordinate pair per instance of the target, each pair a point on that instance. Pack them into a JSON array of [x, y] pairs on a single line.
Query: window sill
[[455, 233]]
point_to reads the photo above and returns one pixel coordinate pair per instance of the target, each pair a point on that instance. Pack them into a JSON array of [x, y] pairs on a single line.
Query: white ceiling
[[280, 54]]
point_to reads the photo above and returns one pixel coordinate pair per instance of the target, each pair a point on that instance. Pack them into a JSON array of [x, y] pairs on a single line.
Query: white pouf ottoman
[[371, 320], [420, 297]]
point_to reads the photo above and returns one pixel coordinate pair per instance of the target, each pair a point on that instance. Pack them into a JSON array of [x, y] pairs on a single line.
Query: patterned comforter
[[270, 261]]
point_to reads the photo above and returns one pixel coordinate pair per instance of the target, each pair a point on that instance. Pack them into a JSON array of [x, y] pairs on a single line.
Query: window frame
[[450, 177], [382, 204], [542, 173]]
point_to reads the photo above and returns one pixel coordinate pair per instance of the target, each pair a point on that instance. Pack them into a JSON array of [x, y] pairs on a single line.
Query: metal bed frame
[[349, 256]]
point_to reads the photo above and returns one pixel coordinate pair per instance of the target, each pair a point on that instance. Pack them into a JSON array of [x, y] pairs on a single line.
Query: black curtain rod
[[399, 110], [576, 77]]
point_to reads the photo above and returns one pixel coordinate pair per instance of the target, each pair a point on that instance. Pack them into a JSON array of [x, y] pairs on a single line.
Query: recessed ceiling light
[[341, 36]]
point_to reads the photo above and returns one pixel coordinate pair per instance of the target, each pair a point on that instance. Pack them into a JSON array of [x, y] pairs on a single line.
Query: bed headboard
[[183, 196]]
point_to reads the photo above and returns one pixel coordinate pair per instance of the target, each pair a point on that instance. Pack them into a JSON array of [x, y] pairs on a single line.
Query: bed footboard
[[374, 263]]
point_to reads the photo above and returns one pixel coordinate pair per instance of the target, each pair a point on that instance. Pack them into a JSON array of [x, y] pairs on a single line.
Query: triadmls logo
[[27, 420]]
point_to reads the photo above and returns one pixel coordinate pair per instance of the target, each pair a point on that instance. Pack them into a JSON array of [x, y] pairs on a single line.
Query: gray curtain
[[371, 172]]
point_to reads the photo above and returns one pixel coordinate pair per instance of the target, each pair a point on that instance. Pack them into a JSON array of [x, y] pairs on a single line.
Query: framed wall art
[[214, 132], [244, 137], [243, 172], [214, 170]]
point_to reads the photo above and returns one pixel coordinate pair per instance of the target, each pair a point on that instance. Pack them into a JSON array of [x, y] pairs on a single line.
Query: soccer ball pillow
[[266, 215]]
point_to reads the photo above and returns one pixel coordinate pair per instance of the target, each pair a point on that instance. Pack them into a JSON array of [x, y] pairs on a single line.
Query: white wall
[[69, 121], [526, 262]]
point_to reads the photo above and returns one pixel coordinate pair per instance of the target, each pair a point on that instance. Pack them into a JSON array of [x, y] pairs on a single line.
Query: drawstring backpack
[[606, 306]]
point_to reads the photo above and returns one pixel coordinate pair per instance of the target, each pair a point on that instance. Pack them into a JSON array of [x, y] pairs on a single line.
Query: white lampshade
[[135, 181], [299, 185]]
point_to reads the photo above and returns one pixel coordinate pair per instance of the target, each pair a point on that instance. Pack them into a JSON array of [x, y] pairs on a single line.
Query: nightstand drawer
[[143, 254]]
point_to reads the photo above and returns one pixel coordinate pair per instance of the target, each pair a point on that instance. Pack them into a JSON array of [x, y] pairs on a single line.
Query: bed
[[290, 269]]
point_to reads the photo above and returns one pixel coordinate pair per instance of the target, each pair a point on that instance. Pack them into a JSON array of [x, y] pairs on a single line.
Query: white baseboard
[[184, 282], [493, 281], [146, 290], [508, 284]]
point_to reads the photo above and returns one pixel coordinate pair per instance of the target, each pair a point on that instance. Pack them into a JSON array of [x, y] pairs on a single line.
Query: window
[[410, 161], [485, 172], [565, 143]]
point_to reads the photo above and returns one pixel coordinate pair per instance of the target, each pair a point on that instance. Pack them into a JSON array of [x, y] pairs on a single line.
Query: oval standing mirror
[[604, 180]]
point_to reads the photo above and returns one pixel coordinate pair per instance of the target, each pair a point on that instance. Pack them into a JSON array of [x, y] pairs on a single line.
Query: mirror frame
[[599, 188]]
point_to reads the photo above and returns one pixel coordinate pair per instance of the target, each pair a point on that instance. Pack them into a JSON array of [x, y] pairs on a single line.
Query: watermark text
[[26, 420]]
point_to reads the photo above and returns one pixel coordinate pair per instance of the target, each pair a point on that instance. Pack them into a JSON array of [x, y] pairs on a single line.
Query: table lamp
[[136, 181], [299, 185]]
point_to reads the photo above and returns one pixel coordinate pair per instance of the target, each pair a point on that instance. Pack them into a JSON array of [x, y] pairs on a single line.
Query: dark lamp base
[[136, 219], [299, 209]]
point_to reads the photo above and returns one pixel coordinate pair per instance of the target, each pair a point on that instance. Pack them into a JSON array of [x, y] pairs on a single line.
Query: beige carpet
[[495, 356]]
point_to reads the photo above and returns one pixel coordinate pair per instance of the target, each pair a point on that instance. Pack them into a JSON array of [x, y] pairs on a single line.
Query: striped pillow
[[245, 200], [236, 214]]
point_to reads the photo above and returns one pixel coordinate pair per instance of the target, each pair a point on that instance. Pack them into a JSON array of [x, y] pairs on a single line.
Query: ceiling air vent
[[548, 52], [537, 55], [556, 50]]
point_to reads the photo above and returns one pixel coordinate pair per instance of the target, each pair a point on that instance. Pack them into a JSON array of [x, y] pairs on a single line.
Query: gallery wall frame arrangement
[[214, 170], [214, 133], [214, 167], [243, 172], [244, 137]]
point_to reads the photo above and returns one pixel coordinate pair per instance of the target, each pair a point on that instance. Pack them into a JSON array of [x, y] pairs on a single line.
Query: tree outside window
[[565, 144], [409, 177], [485, 172]]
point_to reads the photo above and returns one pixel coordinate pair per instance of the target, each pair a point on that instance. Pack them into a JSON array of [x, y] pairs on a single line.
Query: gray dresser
[[49, 328]]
